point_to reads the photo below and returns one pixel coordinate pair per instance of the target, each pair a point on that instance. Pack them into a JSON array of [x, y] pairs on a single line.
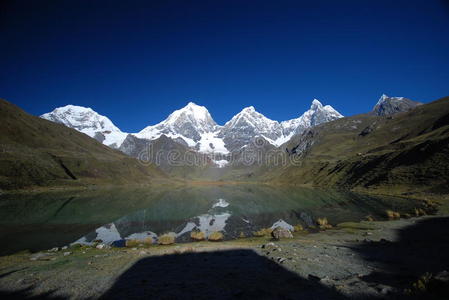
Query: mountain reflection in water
[[239, 211], [45, 220]]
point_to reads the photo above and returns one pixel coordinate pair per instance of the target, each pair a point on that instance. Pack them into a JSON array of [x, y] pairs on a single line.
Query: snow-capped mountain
[[88, 121], [194, 127], [316, 115], [392, 105], [246, 125]]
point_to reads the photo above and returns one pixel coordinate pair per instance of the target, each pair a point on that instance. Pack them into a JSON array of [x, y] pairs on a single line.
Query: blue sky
[[137, 61]]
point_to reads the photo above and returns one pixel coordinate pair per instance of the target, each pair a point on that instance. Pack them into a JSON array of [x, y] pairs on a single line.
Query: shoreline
[[328, 257]]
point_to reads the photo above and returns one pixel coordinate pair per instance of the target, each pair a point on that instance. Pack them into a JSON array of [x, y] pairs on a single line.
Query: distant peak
[[316, 104], [249, 109], [191, 113], [73, 108], [382, 99], [192, 104], [194, 108], [385, 98]]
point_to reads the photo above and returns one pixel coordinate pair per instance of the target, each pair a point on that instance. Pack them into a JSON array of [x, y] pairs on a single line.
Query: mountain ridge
[[193, 126], [364, 150]]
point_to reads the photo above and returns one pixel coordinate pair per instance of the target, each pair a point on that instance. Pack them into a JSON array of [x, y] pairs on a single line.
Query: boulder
[[279, 233], [102, 246]]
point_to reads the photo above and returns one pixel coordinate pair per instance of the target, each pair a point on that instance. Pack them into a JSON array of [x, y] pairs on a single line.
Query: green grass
[[356, 225]]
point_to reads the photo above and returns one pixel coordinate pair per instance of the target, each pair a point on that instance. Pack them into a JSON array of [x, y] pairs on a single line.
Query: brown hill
[[37, 152]]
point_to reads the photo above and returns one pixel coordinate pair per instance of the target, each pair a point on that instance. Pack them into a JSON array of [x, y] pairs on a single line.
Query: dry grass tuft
[[197, 236], [263, 232], [148, 241], [298, 228], [323, 223], [215, 236], [420, 212], [132, 243], [392, 215], [167, 239], [420, 286]]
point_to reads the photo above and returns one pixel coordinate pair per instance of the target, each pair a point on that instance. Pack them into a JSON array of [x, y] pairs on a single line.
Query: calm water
[[43, 221]]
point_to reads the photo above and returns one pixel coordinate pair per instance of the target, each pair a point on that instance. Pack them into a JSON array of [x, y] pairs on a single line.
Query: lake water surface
[[42, 221]]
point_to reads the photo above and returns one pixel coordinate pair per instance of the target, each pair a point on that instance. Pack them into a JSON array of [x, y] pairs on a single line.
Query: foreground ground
[[402, 258]]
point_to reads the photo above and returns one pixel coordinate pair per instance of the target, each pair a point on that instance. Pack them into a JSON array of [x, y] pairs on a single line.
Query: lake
[[41, 221]]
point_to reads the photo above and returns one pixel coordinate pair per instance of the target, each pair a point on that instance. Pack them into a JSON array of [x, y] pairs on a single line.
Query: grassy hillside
[[37, 152], [404, 152]]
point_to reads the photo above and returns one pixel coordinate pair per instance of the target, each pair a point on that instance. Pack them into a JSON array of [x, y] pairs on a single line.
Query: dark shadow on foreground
[[27, 294], [421, 248], [241, 274]]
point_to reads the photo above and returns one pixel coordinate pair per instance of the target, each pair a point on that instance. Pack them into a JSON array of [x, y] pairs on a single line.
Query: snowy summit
[[87, 121]]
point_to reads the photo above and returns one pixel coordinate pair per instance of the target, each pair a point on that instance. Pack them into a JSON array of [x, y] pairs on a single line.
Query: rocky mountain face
[[316, 115], [247, 125], [133, 146], [87, 121], [392, 105], [194, 127], [191, 125]]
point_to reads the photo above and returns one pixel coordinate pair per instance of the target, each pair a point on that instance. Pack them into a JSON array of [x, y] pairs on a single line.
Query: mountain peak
[[392, 105], [193, 112], [249, 109], [88, 121], [316, 104], [385, 98], [74, 109], [317, 114], [189, 123], [246, 125], [192, 105], [73, 115]]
